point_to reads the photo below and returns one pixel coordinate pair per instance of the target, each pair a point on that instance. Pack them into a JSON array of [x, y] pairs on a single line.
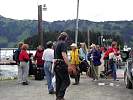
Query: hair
[[84, 46], [20, 44], [63, 36], [40, 47], [114, 43], [25, 46], [49, 44]]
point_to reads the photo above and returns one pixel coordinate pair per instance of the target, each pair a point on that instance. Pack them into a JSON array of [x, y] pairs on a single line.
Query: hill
[[12, 31]]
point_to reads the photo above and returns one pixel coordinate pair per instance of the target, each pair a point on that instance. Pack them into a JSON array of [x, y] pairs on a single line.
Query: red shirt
[[110, 50], [23, 56]]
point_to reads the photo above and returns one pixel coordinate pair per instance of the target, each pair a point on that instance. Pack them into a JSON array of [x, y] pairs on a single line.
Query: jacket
[[24, 56], [110, 50], [74, 54], [38, 57], [96, 56]]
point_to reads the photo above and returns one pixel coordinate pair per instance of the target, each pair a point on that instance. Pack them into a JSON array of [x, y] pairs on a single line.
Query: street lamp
[[76, 32], [44, 7], [40, 24]]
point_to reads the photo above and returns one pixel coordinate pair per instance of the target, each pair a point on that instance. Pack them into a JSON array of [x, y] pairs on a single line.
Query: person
[[101, 66], [61, 66], [40, 63], [95, 55], [74, 55], [118, 59], [48, 56], [31, 67], [17, 52], [82, 51], [113, 48], [82, 56], [112, 53], [16, 58], [24, 65]]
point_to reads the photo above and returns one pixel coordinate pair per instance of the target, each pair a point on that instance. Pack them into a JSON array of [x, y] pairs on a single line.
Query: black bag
[[16, 55], [39, 74], [83, 66]]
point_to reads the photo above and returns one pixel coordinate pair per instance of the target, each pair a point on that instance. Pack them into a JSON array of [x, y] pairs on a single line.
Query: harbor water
[[8, 71]]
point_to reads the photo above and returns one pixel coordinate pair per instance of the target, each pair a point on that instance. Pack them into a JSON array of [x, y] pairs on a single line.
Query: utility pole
[[76, 32], [88, 35], [40, 30], [101, 40]]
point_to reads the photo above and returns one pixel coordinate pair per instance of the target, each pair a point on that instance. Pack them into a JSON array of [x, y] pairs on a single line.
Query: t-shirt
[[48, 55], [59, 48]]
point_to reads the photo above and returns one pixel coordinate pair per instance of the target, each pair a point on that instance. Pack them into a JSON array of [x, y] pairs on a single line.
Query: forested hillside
[[12, 31]]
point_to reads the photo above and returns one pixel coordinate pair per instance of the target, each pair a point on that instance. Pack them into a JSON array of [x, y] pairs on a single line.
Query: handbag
[[72, 70]]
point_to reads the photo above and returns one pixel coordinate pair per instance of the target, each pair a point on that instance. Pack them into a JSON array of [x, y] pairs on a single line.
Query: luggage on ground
[[39, 74]]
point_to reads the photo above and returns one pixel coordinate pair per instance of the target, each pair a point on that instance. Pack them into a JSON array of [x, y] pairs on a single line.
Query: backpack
[[16, 55]]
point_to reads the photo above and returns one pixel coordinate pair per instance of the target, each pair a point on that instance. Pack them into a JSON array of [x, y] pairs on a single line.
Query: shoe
[[25, 83], [52, 92], [75, 83], [60, 98], [115, 80]]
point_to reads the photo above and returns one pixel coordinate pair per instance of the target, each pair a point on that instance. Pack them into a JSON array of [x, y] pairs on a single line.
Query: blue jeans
[[48, 74], [113, 69]]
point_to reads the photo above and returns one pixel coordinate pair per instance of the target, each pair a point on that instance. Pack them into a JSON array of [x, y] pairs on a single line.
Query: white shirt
[[48, 55]]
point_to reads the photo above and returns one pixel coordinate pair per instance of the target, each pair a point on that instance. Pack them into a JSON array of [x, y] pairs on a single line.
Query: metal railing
[[6, 55]]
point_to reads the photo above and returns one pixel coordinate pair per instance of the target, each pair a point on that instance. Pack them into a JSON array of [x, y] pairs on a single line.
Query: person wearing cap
[[48, 56], [24, 64], [61, 66], [74, 55]]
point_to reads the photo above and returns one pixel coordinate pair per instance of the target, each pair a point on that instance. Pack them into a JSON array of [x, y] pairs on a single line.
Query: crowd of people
[[53, 62]]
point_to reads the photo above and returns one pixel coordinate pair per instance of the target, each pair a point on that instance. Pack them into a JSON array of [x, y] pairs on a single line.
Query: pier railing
[[6, 55]]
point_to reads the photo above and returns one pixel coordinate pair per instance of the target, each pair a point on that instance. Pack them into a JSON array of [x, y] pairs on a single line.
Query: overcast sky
[[93, 10]]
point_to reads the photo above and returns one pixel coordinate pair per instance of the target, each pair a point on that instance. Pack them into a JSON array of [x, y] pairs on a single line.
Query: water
[[9, 71], [7, 53]]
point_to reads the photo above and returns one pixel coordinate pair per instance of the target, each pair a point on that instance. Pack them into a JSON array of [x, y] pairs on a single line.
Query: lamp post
[[76, 32], [40, 24]]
